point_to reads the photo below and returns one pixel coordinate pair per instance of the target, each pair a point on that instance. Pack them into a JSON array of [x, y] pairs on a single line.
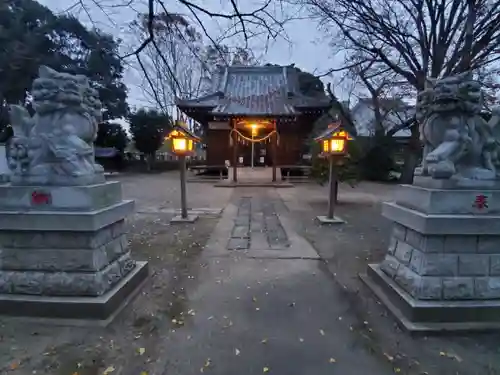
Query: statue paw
[[442, 170], [432, 158]]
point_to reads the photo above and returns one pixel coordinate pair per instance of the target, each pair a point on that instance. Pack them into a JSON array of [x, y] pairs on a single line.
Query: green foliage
[[111, 135], [31, 35], [377, 160], [149, 129]]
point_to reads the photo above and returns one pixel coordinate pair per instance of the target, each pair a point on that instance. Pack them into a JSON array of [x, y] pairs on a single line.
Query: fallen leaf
[[333, 360], [75, 373], [141, 351], [109, 370], [442, 354], [264, 341], [14, 365], [397, 369], [390, 358], [236, 351], [208, 362], [144, 373], [265, 369], [254, 299], [322, 332]]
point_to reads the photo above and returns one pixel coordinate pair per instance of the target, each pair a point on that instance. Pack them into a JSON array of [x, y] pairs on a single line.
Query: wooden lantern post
[[183, 145], [333, 145]]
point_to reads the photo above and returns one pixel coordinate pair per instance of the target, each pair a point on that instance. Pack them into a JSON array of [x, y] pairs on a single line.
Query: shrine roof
[[259, 90]]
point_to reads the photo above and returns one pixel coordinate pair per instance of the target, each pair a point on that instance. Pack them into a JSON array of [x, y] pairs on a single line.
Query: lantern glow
[[334, 141], [182, 141], [254, 129]]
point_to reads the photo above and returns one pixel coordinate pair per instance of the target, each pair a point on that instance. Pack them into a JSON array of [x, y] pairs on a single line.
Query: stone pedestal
[[442, 268], [64, 252]]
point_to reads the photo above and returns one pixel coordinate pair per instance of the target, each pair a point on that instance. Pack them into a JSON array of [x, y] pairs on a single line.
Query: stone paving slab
[[258, 227]]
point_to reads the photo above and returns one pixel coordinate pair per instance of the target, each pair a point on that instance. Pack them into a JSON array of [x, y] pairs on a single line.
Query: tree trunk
[[149, 161], [411, 156]]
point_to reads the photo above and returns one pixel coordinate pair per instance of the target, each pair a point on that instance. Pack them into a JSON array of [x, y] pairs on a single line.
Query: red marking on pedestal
[[481, 202], [39, 197]]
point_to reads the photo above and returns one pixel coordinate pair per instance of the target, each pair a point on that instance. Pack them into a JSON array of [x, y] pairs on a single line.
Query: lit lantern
[[333, 141], [182, 140], [254, 128]]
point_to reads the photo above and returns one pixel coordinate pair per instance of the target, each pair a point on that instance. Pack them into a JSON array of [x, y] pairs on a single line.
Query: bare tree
[[175, 69], [415, 39], [240, 22]]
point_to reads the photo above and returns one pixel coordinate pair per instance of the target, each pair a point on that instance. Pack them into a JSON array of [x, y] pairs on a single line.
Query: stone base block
[[448, 202], [60, 198], [64, 283], [453, 183], [323, 220], [180, 220], [77, 310], [70, 221], [432, 316], [53, 179], [442, 224]]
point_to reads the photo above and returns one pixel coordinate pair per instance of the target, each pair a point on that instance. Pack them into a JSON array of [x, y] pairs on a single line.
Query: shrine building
[[260, 105]]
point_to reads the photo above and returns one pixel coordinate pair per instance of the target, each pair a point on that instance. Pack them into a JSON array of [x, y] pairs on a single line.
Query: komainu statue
[[458, 142], [55, 146]]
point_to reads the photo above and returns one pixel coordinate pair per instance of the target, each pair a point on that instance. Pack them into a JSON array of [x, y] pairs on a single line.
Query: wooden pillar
[[235, 156], [274, 142]]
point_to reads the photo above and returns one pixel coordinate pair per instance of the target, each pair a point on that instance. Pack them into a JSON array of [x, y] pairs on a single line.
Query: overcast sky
[[307, 49]]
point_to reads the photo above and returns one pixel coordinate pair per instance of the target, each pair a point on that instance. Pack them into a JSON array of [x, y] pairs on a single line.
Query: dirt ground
[[346, 251], [134, 343]]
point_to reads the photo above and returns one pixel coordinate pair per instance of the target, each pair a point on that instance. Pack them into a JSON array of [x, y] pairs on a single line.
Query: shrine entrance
[[254, 143]]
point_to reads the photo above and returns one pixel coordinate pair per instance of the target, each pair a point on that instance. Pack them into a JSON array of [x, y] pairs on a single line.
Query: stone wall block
[[393, 242], [495, 265], [101, 237], [390, 266], [488, 244], [399, 231], [403, 252], [439, 265], [414, 239], [118, 228], [416, 261], [431, 288], [408, 280], [115, 248], [66, 283], [487, 287], [460, 244], [70, 260], [473, 265], [432, 244], [458, 288]]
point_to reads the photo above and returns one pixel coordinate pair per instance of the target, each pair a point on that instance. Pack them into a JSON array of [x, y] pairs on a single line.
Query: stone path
[[257, 226], [265, 306]]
